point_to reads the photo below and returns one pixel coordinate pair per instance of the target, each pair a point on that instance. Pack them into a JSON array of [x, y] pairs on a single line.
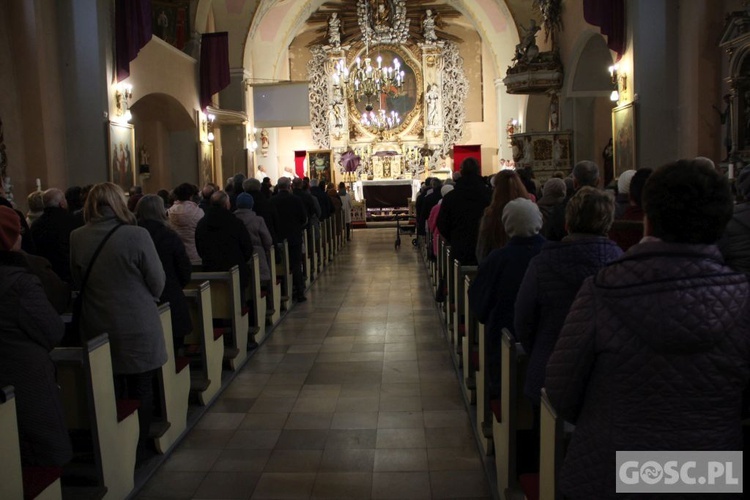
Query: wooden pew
[[257, 320], [470, 346], [551, 450], [174, 387], [284, 272], [484, 413], [515, 413], [443, 277], [307, 271], [42, 483], [450, 298], [459, 320], [226, 308], [88, 395], [275, 290], [207, 382]]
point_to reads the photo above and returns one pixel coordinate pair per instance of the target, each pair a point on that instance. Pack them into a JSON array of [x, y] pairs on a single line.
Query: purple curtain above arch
[[609, 15], [214, 72], [132, 32]]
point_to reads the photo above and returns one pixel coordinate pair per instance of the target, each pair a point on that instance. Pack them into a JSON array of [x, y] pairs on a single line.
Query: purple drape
[[609, 15], [132, 32], [214, 65]]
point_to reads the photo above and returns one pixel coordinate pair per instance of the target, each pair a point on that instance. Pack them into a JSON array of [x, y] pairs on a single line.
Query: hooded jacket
[[547, 292], [654, 355]]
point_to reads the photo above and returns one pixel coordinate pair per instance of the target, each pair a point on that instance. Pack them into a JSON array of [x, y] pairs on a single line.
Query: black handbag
[[75, 321]]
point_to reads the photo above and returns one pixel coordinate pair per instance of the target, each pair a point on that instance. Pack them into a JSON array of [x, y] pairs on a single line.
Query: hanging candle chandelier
[[367, 82], [380, 121]]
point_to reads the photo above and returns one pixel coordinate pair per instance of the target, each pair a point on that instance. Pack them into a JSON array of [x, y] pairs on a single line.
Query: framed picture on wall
[[319, 165], [623, 133], [122, 155], [171, 21], [206, 162]]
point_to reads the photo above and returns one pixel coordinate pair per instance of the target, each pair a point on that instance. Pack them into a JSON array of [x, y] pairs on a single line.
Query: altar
[[386, 193]]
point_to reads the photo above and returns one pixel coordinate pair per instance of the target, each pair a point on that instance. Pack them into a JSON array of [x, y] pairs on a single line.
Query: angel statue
[[428, 26], [527, 50], [334, 30]]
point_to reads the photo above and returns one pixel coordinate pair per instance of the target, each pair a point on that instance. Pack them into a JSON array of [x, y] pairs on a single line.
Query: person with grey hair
[[35, 201], [735, 244], [292, 219], [51, 232], [585, 173], [152, 216]]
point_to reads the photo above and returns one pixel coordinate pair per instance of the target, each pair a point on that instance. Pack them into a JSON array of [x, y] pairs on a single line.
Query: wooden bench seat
[[174, 388], [284, 272], [18, 482], [459, 326], [209, 343], [470, 344], [274, 302], [226, 309], [257, 319], [484, 412], [88, 395]]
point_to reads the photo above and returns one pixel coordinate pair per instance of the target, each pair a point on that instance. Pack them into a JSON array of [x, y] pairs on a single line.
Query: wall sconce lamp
[[619, 81], [210, 123], [123, 94]]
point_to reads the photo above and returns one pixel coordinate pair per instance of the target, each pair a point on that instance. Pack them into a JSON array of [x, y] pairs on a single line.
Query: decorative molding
[[455, 91], [319, 100]]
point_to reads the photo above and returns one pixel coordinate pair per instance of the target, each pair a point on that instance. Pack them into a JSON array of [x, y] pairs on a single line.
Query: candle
[[38, 184]]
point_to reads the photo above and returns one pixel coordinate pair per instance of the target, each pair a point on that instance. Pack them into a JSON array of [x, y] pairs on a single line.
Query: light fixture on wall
[[210, 127], [619, 81], [123, 94]]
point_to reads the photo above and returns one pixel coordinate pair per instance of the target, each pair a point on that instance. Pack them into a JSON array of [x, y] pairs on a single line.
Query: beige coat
[[183, 218]]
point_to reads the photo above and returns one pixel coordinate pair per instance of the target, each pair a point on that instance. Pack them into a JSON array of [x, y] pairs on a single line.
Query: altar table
[[386, 193]]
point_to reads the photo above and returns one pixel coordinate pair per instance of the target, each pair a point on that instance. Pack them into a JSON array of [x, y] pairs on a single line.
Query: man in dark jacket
[[430, 200], [292, 218], [735, 245], [222, 240], [51, 232], [263, 207], [655, 351], [326, 207], [461, 211]]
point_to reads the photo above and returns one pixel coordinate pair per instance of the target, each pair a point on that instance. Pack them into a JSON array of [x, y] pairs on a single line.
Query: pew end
[[211, 347]]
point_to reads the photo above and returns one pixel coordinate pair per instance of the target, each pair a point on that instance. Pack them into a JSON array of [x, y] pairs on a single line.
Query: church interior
[[354, 393]]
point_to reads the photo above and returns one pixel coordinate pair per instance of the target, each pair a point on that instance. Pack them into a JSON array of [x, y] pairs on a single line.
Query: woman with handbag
[[115, 266]]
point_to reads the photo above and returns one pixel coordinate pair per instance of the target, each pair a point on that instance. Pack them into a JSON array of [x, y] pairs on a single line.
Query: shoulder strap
[[96, 254]]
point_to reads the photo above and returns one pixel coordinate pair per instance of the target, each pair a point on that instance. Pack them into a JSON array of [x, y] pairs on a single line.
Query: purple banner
[[214, 73], [609, 15], [132, 32]]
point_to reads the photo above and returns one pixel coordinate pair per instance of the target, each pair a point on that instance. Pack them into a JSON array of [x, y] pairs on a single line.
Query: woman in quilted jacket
[[183, 218], [655, 352]]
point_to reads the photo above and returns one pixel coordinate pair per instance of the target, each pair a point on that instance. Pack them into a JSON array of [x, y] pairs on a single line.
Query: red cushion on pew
[[180, 363], [126, 407], [245, 310], [263, 294], [495, 405], [474, 360], [221, 330], [530, 486], [193, 349], [462, 329], [278, 281], [37, 479], [453, 308]]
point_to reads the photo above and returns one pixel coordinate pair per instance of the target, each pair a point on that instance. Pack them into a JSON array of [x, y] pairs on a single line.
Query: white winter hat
[[623, 182], [521, 217]]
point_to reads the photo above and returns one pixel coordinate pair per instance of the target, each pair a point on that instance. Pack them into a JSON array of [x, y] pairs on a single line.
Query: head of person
[[54, 198], [508, 186], [623, 182], [521, 218], [35, 201], [207, 191], [10, 230], [687, 202], [135, 190], [296, 183], [166, 196], [151, 207], [554, 188], [447, 188], [220, 199], [585, 173], [251, 185], [245, 200], [73, 197], [470, 168], [342, 187], [590, 211], [284, 184], [637, 184], [261, 168], [104, 200], [185, 192], [436, 183], [313, 183]]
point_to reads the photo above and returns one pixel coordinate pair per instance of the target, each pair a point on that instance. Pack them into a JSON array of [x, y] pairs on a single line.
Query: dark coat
[[311, 209], [177, 269], [654, 355], [553, 217], [263, 207], [492, 295], [430, 201], [51, 234], [29, 329], [122, 292], [292, 217], [222, 242], [628, 229], [460, 214], [551, 282], [326, 206], [735, 245], [56, 290]]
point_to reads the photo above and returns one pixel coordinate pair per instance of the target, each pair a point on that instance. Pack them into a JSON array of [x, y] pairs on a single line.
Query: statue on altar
[[432, 96], [527, 50], [334, 30], [428, 27]]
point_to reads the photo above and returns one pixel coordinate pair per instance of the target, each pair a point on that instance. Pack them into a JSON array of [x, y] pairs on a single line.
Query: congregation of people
[[631, 302], [111, 259]]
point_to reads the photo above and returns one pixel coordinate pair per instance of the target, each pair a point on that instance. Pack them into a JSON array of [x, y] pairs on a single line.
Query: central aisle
[[354, 395]]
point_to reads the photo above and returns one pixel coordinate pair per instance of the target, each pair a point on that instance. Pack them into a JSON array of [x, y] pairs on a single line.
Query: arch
[[163, 108], [589, 52]]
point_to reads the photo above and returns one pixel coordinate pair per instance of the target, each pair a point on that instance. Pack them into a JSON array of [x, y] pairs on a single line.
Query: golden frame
[[623, 138]]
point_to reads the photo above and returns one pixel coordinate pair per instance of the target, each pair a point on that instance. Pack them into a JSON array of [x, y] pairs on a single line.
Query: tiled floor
[[353, 396]]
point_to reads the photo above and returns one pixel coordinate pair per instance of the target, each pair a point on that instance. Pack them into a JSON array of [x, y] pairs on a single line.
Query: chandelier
[[367, 82], [380, 121]]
